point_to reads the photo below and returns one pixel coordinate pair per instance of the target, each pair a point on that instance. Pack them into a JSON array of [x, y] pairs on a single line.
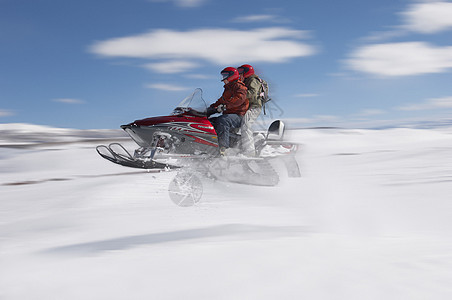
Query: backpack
[[263, 93]]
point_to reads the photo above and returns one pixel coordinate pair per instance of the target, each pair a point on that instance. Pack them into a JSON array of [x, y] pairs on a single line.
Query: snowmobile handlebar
[[211, 110]]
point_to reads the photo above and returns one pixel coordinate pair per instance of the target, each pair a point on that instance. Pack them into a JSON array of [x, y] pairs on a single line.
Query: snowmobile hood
[[195, 122]]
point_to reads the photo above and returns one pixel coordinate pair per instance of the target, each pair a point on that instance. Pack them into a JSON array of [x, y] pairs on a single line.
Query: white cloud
[[401, 59], [371, 112], [200, 76], [255, 18], [189, 3], [183, 3], [428, 17], [408, 58], [69, 101], [423, 17], [170, 67], [430, 104], [5, 113], [218, 46], [385, 35], [306, 95], [327, 118], [166, 87]]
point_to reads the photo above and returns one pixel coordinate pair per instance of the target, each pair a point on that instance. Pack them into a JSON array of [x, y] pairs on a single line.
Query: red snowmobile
[[186, 139]]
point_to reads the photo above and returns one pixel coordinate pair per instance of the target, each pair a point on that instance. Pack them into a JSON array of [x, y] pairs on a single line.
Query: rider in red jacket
[[233, 98]]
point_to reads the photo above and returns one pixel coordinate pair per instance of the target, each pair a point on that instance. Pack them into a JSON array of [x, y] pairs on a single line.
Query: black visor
[[225, 75]]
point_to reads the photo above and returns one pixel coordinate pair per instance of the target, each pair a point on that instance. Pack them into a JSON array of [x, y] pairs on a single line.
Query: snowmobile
[[186, 140]]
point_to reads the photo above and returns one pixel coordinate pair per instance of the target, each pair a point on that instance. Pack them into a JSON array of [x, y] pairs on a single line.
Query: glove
[[211, 110], [221, 108]]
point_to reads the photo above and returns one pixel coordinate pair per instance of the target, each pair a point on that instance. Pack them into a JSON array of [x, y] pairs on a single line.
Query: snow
[[19, 134], [370, 218]]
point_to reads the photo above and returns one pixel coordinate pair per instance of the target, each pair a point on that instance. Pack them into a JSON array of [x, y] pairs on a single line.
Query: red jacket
[[234, 97]]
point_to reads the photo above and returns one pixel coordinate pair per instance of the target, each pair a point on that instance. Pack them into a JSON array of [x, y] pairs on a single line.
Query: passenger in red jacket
[[233, 104]]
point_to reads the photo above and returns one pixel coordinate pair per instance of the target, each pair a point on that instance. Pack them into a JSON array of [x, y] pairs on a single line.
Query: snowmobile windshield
[[193, 104]]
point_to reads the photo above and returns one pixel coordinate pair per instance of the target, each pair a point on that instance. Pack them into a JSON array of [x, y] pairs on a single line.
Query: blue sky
[[101, 63]]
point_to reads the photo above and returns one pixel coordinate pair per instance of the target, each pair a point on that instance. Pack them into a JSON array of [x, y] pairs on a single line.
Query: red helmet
[[246, 70], [230, 73]]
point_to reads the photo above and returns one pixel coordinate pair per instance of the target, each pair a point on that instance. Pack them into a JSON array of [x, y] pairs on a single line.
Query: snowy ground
[[370, 218]]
